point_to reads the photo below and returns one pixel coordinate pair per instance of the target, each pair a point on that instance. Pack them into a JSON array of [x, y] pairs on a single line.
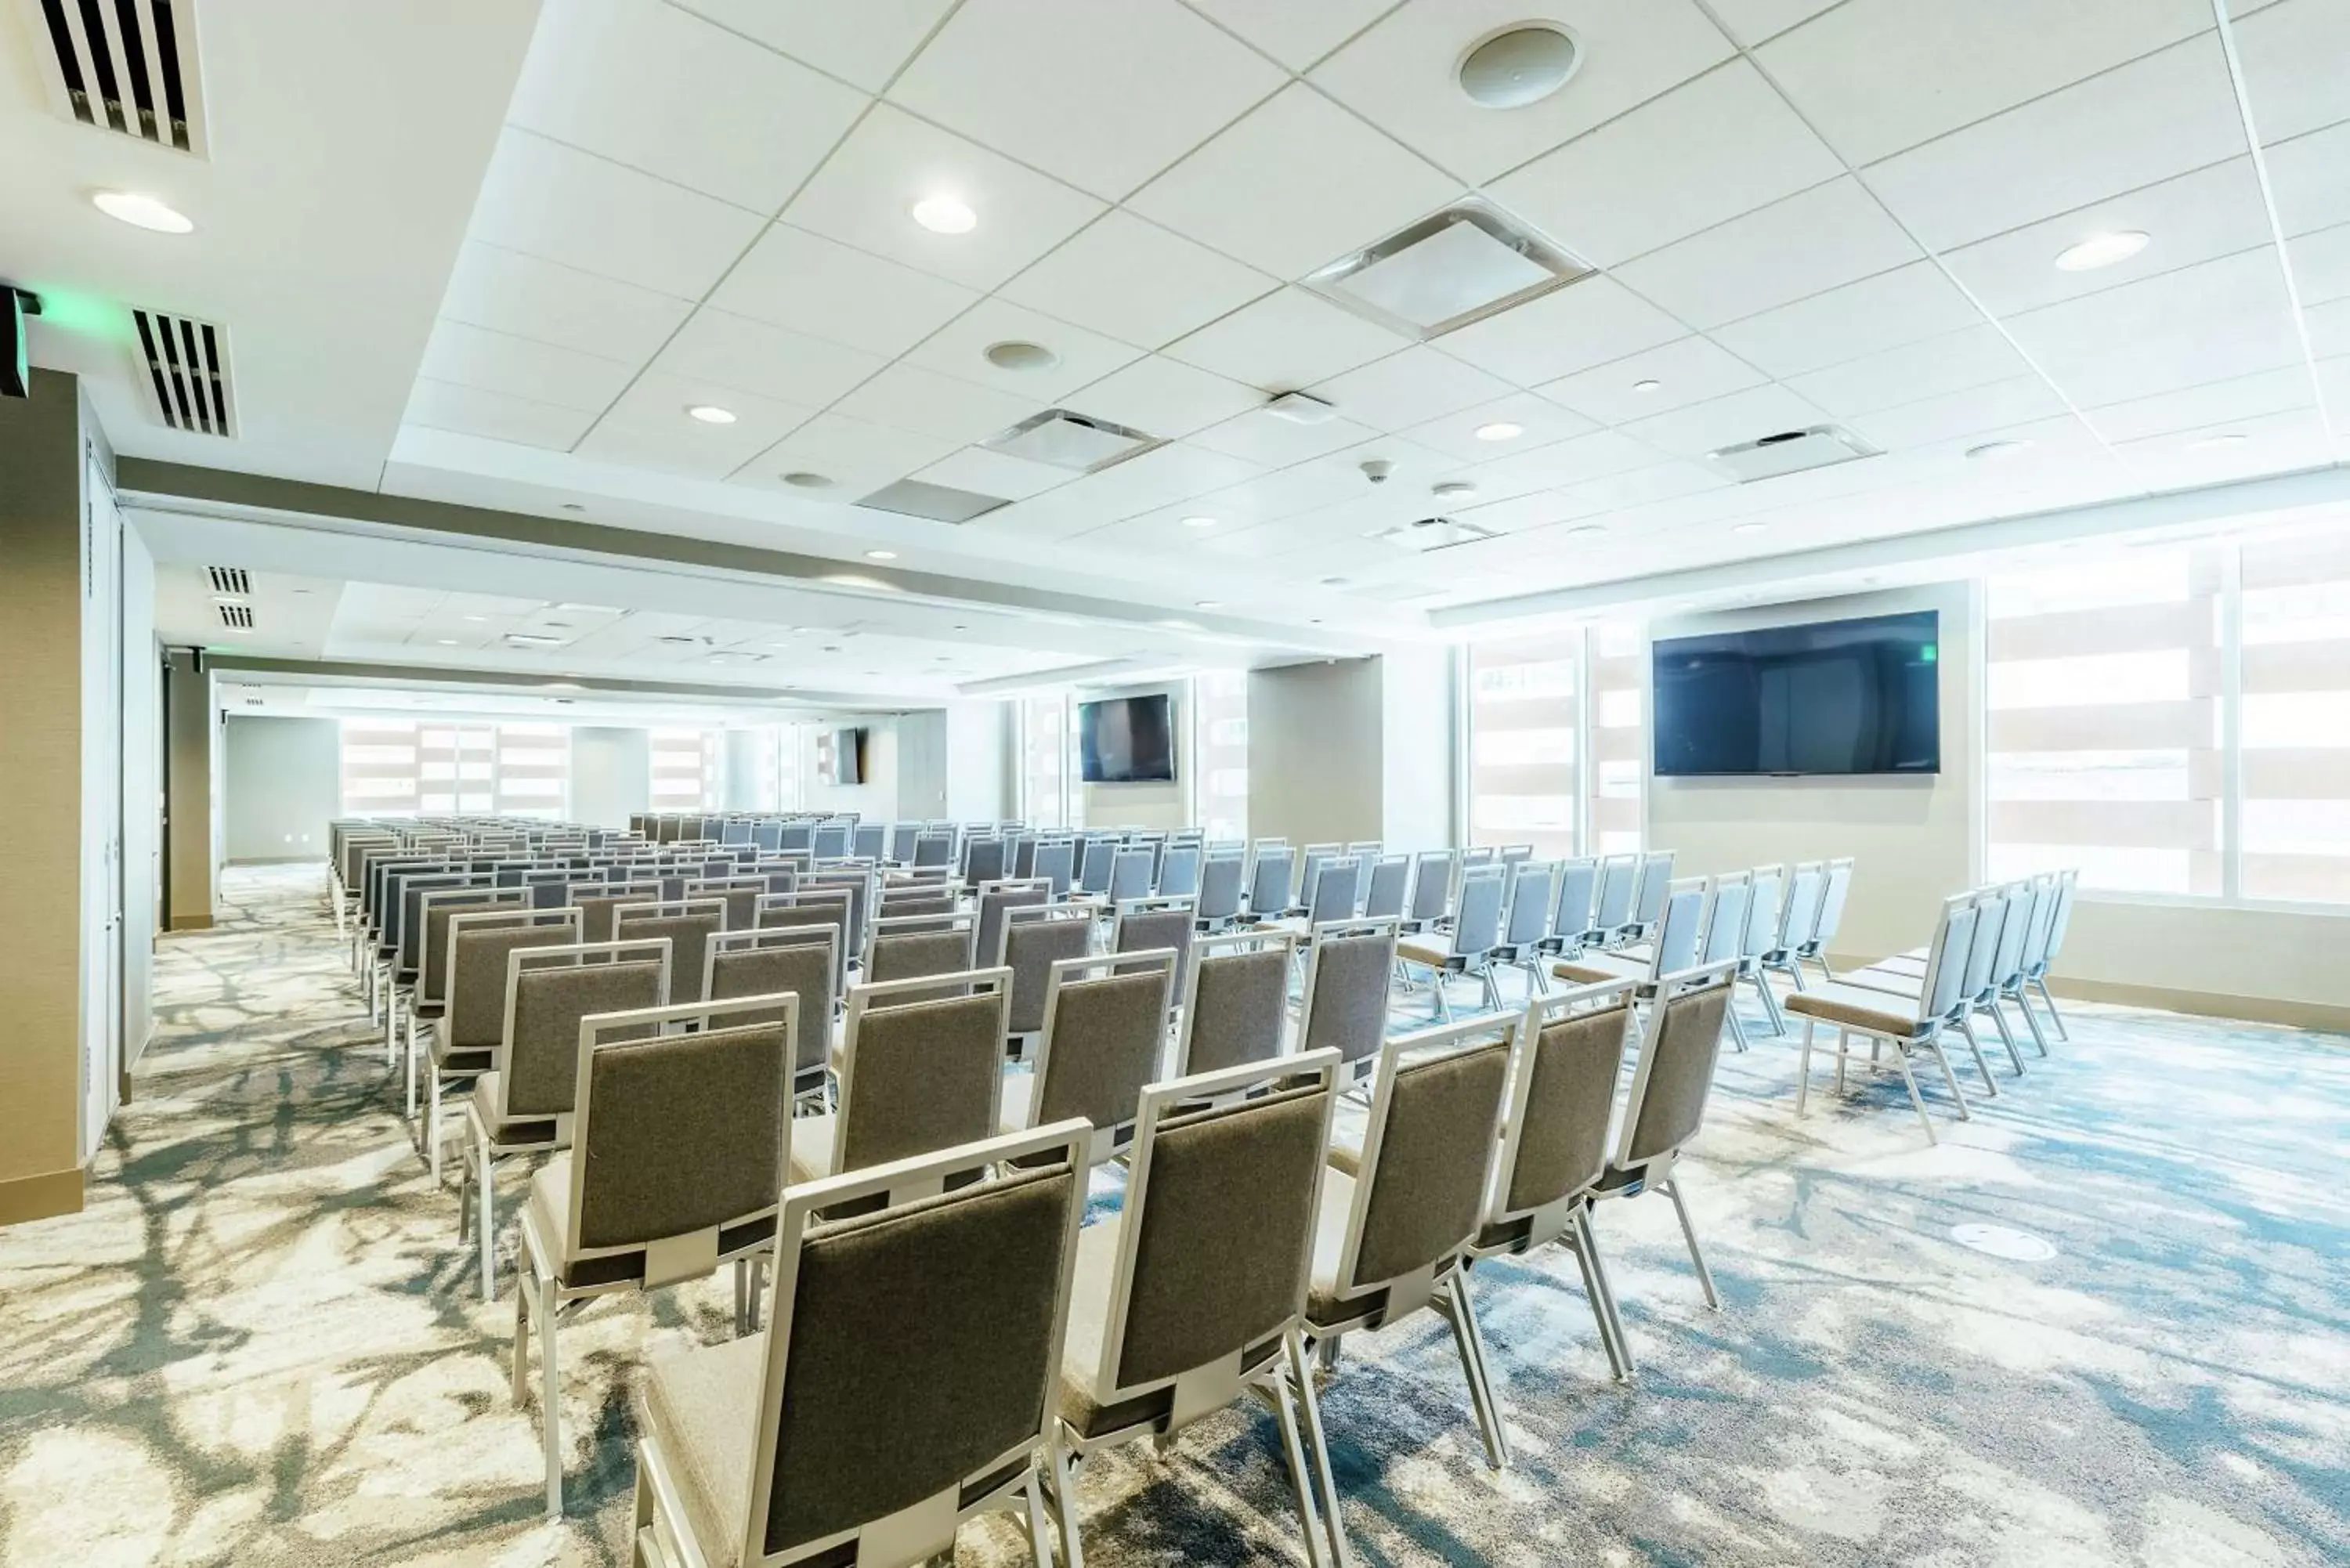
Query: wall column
[[192, 766]]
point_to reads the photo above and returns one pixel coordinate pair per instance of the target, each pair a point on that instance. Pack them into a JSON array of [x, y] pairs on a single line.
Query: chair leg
[[1470, 1341], [1942, 1060], [1317, 1443], [1901, 1054], [1603, 1299], [1967, 1030], [1040, 1533], [1062, 1481], [1737, 1026], [2006, 1035], [412, 1067], [550, 1398], [488, 1223], [1844, 1038], [1301, 1473], [1803, 1073], [1689, 1234], [2040, 984], [742, 1296], [523, 1288], [1770, 1004], [432, 1127]]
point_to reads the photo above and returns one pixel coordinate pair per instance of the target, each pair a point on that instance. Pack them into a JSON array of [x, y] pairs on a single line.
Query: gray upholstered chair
[[1034, 940], [1649, 889], [1235, 1007], [1192, 1296], [1905, 1023], [1570, 921], [1104, 1039], [424, 956], [1268, 884], [900, 898], [1677, 939], [915, 1078], [1345, 998], [933, 848], [994, 899], [1130, 874], [1765, 908], [869, 840], [1996, 913], [1834, 888], [774, 960], [523, 1105], [1399, 1212], [1388, 881], [473, 944], [1468, 950], [1141, 924], [1055, 862], [689, 924], [985, 860], [814, 906], [1527, 917], [915, 946], [1433, 872], [1178, 871], [741, 896], [599, 904], [1611, 906], [901, 842], [1220, 876], [859, 883], [676, 1164], [1555, 1140], [872, 1419]]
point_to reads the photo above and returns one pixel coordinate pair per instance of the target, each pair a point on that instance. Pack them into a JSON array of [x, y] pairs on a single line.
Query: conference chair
[[425, 943], [814, 906], [869, 840], [675, 1168], [1526, 921], [466, 1034], [831, 840], [1036, 939], [1235, 1007], [1995, 912], [1833, 892], [740, 895], [1571, 916], [1806, 881], [1347, 977], [1055, 865], [776, 962], [1390, 878], [1142, 924], [1178, 871], [1679, 931], [1906, 1023], [1130, 874], [919, 1073], [1468, 949], [1220, 882], [1432, 876], [920, 947], [1648, 890], [1619, 876], [1765, 909], [984, 860], [1103, 1041], [1315, 857], [1098, 864], [598, 901], [2041, 955], [1728, 896], [689, 923], [1269, 877]]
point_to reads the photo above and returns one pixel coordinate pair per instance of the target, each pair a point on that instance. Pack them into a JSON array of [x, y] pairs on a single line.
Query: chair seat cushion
[[702, 1409], [814, 1146], [1593, 968], [1420, 950], [461, 1061], [1856, 1007], [512, 1132], [1323, 1303]]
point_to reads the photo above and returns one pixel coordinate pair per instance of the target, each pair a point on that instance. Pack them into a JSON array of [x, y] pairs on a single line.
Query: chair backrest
[[598, 907], [774, 960], [1178, 871], [1216, 1241], [689, 923], [1142, 924], [913, 899], [1236, 1001], [810, 907], [994, 900], [1219, 886], [1832, 899], [1554, 1136], [435, 907], [830, 840], [1993, 913], [1680, 927], [2014, 927], [679, 1137], [741, 896], [793, 836], [1097, 866], [1765, 907], [1431, 885], [1346, 979], [1055, 864], [476, 965], [1477, 922], [957, 1385], [1534, 897], [548, 991], [920, 947], [858, 882], [1674, 1076], [1728, 898], [1034, 940], [1618, 874], [869, 840], [2059, 921], [1429, 1145], [1129, 872], [1383, 894], [1946, 958], [984, 861], [1578, 885], [920, 1076], [1309, 877], [1105, 1037], [1656, 876], [419, 942], [1330, 892], [1806, 880], [1269, 880]]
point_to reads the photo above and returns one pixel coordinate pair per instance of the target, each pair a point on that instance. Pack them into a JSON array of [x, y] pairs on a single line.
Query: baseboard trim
[[192, 922], [2318, 1015], [40, 1197]]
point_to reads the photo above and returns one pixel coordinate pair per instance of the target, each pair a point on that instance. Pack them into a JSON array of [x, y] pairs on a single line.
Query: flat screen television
[[847, 756], [1829, 697], [1127, 740]]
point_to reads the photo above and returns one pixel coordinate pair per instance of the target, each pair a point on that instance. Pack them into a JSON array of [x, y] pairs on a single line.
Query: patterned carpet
[[258, 1345]]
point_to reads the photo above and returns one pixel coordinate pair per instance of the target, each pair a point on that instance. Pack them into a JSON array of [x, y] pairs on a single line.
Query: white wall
[[1315, 761], [283, 781], [142, 794], [980, 786], [611, 775], [1146, 805], [1419, 734]]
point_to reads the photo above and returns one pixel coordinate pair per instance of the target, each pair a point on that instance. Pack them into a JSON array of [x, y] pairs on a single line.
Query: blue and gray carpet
[[260, 1344]]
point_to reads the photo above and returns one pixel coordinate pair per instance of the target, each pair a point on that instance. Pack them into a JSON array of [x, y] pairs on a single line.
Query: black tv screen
[[1831, 697], [848, 756], [1127, 740]]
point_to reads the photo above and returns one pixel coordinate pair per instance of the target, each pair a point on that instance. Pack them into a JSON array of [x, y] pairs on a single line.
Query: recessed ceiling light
[[1313, 620], [1648, 385], [1750, 527], [141, 212], [801, 479], [1584, 530], [881, 555], [2212, 442], [1518, 66], [447, 641], [1500, 430], [573, 506], [1021, 356], [959, 628], [1452, 489], [1996, 449], [2101, 250], [1207, 604], [711, 413], [1198, 522], [945, 214]]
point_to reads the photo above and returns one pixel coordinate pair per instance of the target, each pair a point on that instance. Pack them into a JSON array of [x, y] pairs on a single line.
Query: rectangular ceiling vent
[[1433, 534], [238, 617], [1790, 451], [124, 66], [230, 583], [1468, 262], [939, 503], [187, 369], [1070, 440]]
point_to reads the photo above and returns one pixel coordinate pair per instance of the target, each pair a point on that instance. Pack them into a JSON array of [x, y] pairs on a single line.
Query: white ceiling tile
[[522, 368], [1286, 341], [1401, 75], [2215, 402], [960, 349], [1409, 388], [1164, 398], [1561, 463], [2320, 264], [1878, 76], [648, 428], [995, 473], [510, 292], [1752, 21], [1586, 323], [2305, 175], [858, 457], [2272, 443], [1706, 427], [911, 397], [825, 289], [556, 203], [1971, 357], [2295, 56], [657, 88], [1269, 441], [494, 416], [1829, 235], [2329, 329], [1688, 371], [865, 195], [2214, 212], [1297, 33], [2145, 122], [787, 367], [2333, 375], [1137, 282], [2204, 323], [1878, 313], [1540, 421], [1955, 414], [865, 43], [1708, 151], [1297, 182], [1102, 95]]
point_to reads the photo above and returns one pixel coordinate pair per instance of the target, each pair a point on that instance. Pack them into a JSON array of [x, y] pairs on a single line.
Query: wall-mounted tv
[[1829, 697], [1127, 740], [848, 757]]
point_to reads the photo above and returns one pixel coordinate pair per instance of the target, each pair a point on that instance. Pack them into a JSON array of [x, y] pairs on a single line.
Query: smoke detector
[[1522, 64]]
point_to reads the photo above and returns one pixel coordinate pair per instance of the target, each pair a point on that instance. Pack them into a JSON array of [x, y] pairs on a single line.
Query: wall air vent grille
[[238, 617], [124, 66], [231, 582], [1433, 534], [187, 369]]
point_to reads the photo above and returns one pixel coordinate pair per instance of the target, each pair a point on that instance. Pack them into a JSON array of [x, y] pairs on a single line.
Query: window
[[1220, 753], [1618, 652], [685, 765], [2294, 725], [2104, 691], [1044, 770], [391, 768], [1521, 751]]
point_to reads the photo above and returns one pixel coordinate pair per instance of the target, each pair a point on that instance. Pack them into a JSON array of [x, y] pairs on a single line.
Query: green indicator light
[[1928, 653], [83, 315]]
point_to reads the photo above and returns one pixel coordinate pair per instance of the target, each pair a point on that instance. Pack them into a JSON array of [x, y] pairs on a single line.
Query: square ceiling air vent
[[1070, 440], [125, 66], [236, 617], [231, 582], [1433, 534], [1460, 265], [939, 503], [187, 370], [1790, 451]]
